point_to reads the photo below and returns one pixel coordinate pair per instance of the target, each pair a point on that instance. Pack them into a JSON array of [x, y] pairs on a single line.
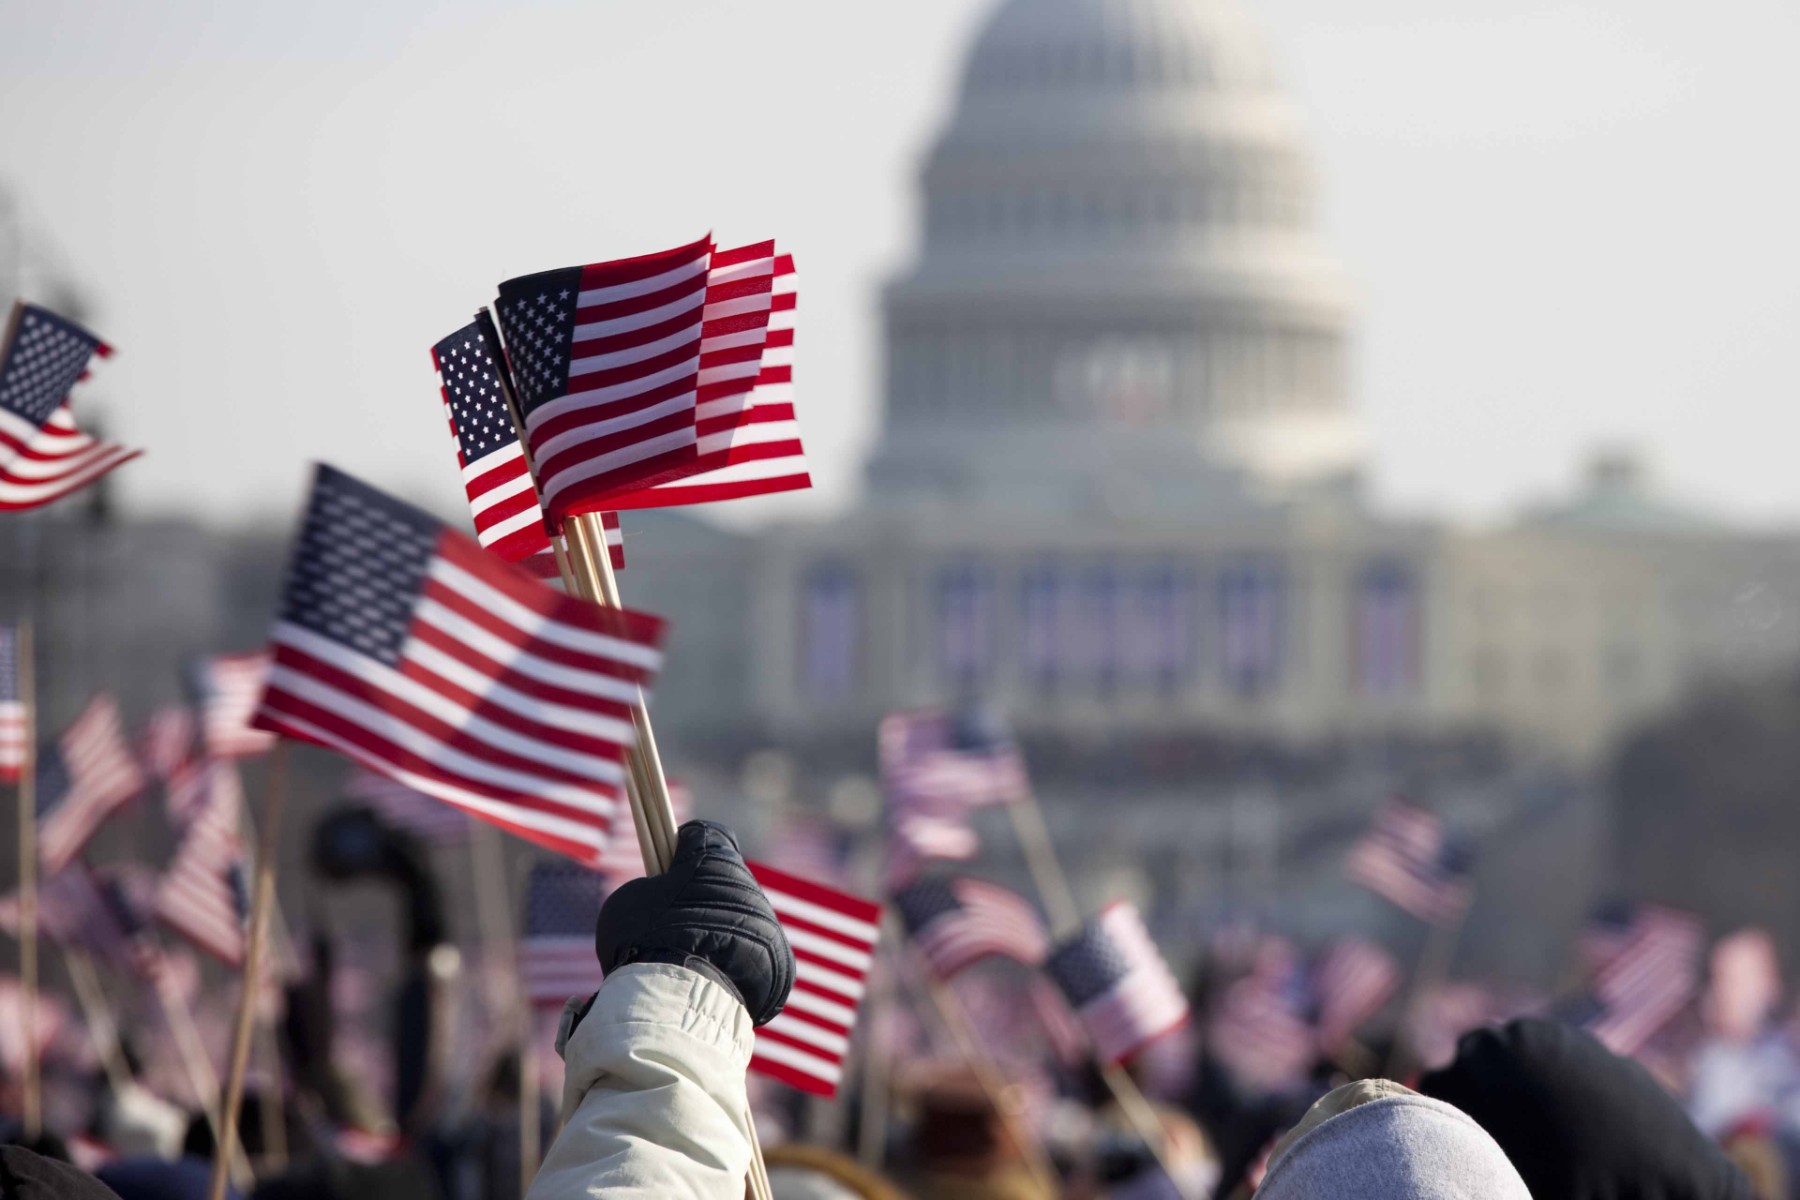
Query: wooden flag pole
[[28, 946], [589, 574], [1058, 898], [261, 902], [103, 1031]]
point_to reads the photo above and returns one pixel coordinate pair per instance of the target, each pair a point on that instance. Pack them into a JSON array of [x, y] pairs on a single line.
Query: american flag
[[413, 651], [935, 762], [613, 361], [556, 955], [168, 741], [43, 456], [502, 496], [204, 895], [15, 723], [72, 912], [809, 846], [1114, 978], [1409, 859], [424, 817], [1387, 633], [90, 775], [1353, 979], [1651, 976], [227, 687], [748, 446], [1260, 1028], [958, 922], [916, 838], [833, 934], [129, 892]]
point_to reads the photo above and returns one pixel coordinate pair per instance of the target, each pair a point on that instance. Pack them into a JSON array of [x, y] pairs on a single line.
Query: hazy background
[[1569, 223]]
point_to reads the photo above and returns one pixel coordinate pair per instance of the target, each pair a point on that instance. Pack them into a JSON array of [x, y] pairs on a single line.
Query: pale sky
[[1569, 223]]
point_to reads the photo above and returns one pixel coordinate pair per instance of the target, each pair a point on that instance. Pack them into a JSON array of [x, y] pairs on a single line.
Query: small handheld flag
[[1410, 860], [407, 647], [15, 723], [502, 497], [89, 776], [1116, 981], [227, 687], [556, 955], [201, 896], [614, 360], [956, 923], [43, 456], [833, 934]]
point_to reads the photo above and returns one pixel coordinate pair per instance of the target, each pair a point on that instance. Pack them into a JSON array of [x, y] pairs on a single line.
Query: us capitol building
[[1115, 487]]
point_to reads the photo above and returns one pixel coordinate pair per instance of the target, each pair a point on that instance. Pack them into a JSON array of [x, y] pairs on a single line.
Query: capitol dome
[[1118, 282]]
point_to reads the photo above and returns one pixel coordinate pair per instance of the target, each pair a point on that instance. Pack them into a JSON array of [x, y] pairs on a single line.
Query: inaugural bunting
[[412, 650]]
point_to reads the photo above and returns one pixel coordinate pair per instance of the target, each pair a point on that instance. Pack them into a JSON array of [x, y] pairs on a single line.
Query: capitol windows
[[1102, 626], [830, 632], [1157, 628], [1252, 626], [967, 625], [1044, 621], [1386, 631]]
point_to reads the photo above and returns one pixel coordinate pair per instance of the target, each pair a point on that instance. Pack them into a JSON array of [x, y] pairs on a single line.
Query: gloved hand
[[705, 913]]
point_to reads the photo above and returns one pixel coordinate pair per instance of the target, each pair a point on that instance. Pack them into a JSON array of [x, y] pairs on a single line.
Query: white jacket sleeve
[[653, 1094]]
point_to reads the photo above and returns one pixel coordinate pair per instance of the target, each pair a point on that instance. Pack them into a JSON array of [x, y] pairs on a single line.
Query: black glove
[[705, 913]]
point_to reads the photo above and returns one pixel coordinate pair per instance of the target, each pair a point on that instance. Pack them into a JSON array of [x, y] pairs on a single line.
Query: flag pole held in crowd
[[31, 1083], [262, 899]]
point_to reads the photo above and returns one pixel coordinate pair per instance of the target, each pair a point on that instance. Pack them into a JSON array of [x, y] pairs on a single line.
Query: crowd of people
[[655, 1099]]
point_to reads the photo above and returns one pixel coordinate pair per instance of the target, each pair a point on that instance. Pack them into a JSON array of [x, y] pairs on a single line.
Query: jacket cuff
[[662, 995]]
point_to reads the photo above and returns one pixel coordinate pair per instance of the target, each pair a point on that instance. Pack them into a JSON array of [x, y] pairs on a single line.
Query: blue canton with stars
[[538, 314], [359, 566], [561, 900], [922, 903], [477, 406], [43, 362], [1088, 966]]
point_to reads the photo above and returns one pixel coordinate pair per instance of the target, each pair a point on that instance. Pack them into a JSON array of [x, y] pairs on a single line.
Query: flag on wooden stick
[[613, 361], [15, 722], [956, 923], [167, 742], [1116, 981], [556, 955], [502, 497], [204, 895], [1409, 859], [833, 934], [410, 649], [88, 776], [944, 763], [227, 687], [1649, 978], [1353, 979], [43, 456], [748, 446]]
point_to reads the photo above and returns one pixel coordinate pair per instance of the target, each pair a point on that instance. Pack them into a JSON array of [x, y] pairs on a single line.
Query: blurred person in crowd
[[799, 1172], [960, 1147], [1378, 1140], [654, 1093], [1580, 1122]]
